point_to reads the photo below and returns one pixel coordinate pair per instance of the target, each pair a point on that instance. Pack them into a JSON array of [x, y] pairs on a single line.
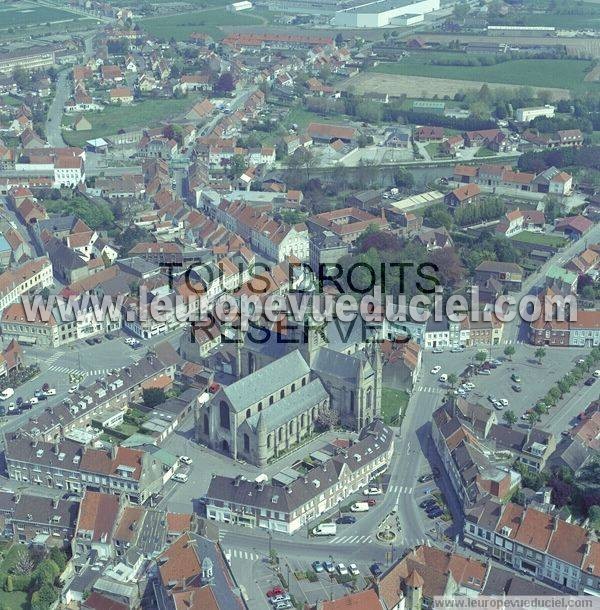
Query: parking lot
[[535, 379]]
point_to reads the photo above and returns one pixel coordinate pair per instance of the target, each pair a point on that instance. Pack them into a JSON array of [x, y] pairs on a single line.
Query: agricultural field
[[546, 73], [29, 15], [182, 25], [397, 85], [141, 114]]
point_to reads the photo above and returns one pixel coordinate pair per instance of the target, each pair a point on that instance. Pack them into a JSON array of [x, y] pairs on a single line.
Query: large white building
[[524, 115], [380, 13]]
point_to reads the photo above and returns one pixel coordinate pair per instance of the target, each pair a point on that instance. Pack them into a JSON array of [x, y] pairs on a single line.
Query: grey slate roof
[[266, 381], [337, 364], [291, 405]]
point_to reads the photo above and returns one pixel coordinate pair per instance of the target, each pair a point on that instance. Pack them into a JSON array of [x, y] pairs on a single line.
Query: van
[[180, 477], [6, 394], [325, 529], [360, 507]]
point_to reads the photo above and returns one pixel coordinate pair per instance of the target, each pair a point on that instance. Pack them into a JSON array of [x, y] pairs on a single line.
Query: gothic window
[[270, 400], [224, 414], [280, 435], [206, 425], [269, 441], [369, 398], [248, 413], [293, 387], [259, 407], [246, 443]]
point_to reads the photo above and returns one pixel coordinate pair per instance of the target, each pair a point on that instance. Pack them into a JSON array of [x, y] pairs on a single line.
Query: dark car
[[25, 406], [371, 501], [434, 514], [432, 508], [90, 342], [590, 381], [426, 503], [424, 478], [376, 569], [97, 340], [346, 519], [109, 336], [517, 388], [19, 400]]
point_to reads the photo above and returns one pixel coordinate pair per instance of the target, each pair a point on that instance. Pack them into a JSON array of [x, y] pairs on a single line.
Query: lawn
[[393, 405], [16, 600], [564, 73], [181, 26], [542, 239], [435, 150], [301, 117], [32, 15], [484, 151], [147, 113]]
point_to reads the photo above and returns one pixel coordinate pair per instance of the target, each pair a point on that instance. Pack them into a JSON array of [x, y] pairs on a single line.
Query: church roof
[[281, 412], [337, 364], [266, 381]]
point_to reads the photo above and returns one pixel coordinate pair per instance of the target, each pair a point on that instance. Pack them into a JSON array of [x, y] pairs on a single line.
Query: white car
[[372, 491], [353, 569], [50, 392], [443, 378], [33, 400], [503, 402], [597, 373], [342, 569], [73, 389], [498, 405], [184, 459], [470, 386], [180, 477], [437, 350], [436, 369]]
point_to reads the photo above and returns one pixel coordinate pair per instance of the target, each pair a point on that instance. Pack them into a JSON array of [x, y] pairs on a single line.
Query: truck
[[325, 529], [360, 507]]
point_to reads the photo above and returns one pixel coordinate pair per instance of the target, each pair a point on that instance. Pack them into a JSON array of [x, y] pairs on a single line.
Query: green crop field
[[33, 15], [147, 113], [181, 26], [563, 73]]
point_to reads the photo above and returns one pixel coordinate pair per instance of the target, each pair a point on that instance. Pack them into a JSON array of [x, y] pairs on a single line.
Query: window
[[352, 401], [259, 407], [206, 425], [282, 394], [293, 387], [269, 441], [246, 443], [280, 435], [248, 413], [224, 414]]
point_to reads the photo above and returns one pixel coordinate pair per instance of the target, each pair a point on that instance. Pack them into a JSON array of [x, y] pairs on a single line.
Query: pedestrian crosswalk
[[68, 370], [429, 389], [400, 489], [240, 554], [351, 540], [54, 357]]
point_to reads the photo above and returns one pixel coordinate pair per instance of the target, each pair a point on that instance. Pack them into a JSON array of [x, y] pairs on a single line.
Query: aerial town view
[[299, 304]]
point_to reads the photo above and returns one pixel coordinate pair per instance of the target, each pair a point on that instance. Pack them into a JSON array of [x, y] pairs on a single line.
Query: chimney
[[55, 502], [113, 452], [56, 448]]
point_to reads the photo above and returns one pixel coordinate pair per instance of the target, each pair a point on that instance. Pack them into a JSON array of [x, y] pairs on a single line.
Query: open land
[[397, 85]]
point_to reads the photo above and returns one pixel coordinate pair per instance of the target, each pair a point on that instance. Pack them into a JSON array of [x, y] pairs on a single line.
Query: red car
[[371, 502], [275, 591]]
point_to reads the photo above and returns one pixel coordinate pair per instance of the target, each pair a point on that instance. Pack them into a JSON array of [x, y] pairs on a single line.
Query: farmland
[[182, 25], [397, 85], [113, 118], [518, 72], [30, 15]]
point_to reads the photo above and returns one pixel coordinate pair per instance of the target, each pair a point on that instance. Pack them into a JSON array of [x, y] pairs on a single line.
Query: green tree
[[461, 10], [480, 357], [532, 418], [59, 557], [452, 379], [509, 351], [509, 417], [594, 516], [8, 585], [540, 354], [403, 178], [236, 166], [153, 396]]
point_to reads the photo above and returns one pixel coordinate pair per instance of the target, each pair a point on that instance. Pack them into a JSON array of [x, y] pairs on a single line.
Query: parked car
[[19, 400], [503, 402], [180, 477], [484, 372], [73, 388], [90, 342], [515, 378], [372, 491], [438, 350], [34, 400], [597, 373], [25, 406], [282, 597], [342, 569], [97, 340], [317, 566], [184, 459], [284, 605], [427, 502], [275, 591], [436, 369], [590, 381], [434, 514], [345, 520], [6, 394], [329, 567], [50, 392], [109, 336], [424, 478], [376, 570], [371, 501], [353, 569], [457, 350], [516, 387], [443, 378], [45, 387]]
